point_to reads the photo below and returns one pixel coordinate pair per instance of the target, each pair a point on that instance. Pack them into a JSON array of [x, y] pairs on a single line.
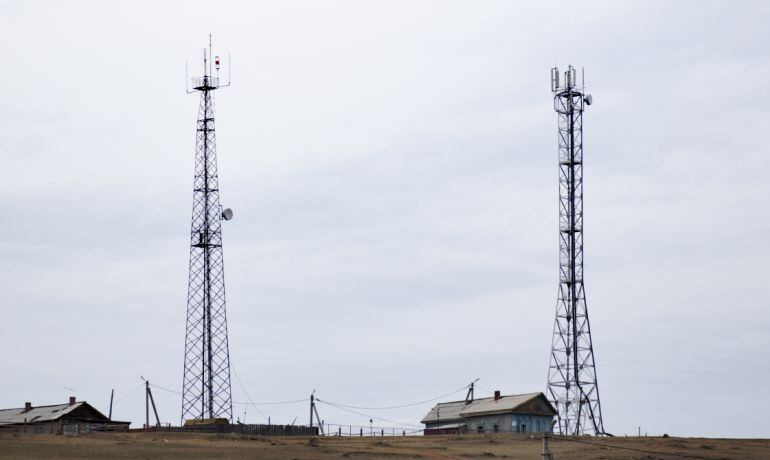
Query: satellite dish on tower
[[227, 214]]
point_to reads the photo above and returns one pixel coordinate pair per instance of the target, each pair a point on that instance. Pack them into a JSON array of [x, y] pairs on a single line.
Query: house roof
[[36, 414], [505, 404], [44, 413], [458, 410], [448, 411]]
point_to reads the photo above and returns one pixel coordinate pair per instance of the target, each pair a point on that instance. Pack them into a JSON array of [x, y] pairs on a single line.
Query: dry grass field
[[203, 446]]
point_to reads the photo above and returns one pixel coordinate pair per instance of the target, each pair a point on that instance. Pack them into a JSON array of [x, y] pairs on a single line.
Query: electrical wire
[[250, 403], [366, 415], [129, 393], [484, 389], [330, 431], [344, 407], [408, 430], [247, 393], [165, 389], [401, 405], [273, 402]]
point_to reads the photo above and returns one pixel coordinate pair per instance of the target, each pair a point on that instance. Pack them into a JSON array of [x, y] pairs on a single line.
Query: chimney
[[72, 400], [497, 395], [27, 406]]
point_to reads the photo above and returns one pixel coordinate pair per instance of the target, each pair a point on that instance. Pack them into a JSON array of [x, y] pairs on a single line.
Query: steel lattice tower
[[206, 389], [572, 383]]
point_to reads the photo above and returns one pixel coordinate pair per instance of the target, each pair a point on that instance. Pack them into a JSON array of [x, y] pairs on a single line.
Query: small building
[[71, 418], [525, 413]]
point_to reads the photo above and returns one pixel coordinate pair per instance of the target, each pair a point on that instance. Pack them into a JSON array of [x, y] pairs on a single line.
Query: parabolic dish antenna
[[227, 214]]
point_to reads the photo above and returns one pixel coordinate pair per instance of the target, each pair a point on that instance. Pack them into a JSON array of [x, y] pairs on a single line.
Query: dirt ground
[[203, 446]]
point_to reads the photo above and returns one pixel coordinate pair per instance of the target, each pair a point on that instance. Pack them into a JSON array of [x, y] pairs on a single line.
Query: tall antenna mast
[[206, 392], [573, 387]]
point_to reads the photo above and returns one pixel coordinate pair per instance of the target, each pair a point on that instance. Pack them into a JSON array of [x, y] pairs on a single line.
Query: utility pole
[[146, 405], [112, 395], [469, 396], [312, 406], [314, 410], [148, 399]]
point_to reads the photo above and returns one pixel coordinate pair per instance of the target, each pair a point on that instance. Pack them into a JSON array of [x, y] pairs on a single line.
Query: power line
[[344, 407], [375, 429], [272, 402], [366, 415], [250, 403], [303, 400], [401, 405], [484, 389], [238, 378], [130, 393], [165, 389]]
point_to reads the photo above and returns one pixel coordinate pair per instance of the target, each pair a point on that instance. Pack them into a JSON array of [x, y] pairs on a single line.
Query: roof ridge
[[47, 405], [490, 397]]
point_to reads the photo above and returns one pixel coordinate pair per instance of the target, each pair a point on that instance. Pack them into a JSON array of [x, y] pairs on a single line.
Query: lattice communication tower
[[572, 383], [206, 392]]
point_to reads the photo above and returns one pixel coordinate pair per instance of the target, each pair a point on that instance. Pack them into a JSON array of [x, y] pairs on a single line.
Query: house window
[[495, 428], [479, 428], [514, 425]]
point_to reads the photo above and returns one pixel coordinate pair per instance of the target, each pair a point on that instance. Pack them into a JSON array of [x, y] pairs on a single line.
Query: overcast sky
[[393, 171]]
